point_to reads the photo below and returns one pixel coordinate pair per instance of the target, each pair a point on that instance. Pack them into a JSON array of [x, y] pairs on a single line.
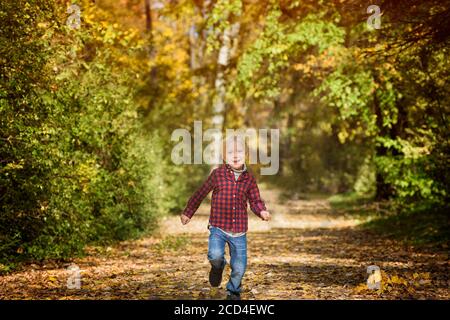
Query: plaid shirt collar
[[227, 171]]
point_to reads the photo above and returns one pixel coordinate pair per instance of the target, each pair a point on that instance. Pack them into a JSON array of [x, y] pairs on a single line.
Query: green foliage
[[366, 178], [384, 91], [349, 90], [219, 20], [272, 52], [77, 165], [413, 174]]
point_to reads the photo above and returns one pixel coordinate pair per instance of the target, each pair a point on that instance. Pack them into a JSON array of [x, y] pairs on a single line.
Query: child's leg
[[238, 262], [216, 255]]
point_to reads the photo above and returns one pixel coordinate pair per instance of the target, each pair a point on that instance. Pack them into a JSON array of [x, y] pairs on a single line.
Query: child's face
[[235, 154]]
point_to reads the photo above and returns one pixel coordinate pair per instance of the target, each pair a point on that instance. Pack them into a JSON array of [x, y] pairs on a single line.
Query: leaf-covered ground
[[307, 251]]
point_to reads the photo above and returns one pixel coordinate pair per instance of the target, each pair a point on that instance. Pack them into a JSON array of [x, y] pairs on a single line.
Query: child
[[232, 186]]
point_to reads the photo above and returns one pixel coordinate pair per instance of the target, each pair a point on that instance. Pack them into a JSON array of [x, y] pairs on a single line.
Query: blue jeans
[[238, 254]]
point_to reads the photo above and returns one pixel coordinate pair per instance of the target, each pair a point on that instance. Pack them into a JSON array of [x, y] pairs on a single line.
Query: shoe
[[215, 276], [233, 296]]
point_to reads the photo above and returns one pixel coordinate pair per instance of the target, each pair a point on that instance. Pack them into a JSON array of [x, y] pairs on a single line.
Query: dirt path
[[307, 251]]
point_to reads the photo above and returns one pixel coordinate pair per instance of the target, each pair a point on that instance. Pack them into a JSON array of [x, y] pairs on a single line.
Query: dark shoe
[[233, 296], [215, 276]]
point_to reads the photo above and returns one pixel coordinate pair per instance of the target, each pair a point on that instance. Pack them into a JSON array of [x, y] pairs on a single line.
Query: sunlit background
[[91, 91]]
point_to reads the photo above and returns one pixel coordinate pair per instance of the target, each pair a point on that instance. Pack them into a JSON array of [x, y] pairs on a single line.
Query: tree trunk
[[383, 189], [148, 16], [227, 49]]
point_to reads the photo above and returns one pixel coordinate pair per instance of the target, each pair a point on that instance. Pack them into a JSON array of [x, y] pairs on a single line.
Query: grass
[[349, 199], [425, 225], [416, 224], [172, 243]]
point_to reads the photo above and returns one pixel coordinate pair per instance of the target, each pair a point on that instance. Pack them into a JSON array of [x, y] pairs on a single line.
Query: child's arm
[[256, 203], [197, 198]]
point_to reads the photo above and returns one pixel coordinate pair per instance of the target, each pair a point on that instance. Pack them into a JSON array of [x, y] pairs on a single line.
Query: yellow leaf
[[360, 288], [426, 275]]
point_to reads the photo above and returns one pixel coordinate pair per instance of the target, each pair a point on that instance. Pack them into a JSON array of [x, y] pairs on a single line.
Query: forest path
[[307, 251]]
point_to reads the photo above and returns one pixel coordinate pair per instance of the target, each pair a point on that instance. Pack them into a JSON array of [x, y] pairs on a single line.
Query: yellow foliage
[[406, 283]]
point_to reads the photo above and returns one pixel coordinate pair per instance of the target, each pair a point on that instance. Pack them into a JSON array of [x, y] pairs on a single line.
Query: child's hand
[[184, 219], [265, 215]]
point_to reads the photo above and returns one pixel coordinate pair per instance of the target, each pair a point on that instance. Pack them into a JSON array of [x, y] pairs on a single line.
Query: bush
[[417, 173], [77, 164]]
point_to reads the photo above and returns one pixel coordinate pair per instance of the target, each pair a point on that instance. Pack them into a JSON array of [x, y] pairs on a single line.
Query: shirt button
[[233, 209], [234, 196]]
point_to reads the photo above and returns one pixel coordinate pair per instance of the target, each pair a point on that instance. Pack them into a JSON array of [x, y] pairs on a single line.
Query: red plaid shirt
[[229, 199]]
